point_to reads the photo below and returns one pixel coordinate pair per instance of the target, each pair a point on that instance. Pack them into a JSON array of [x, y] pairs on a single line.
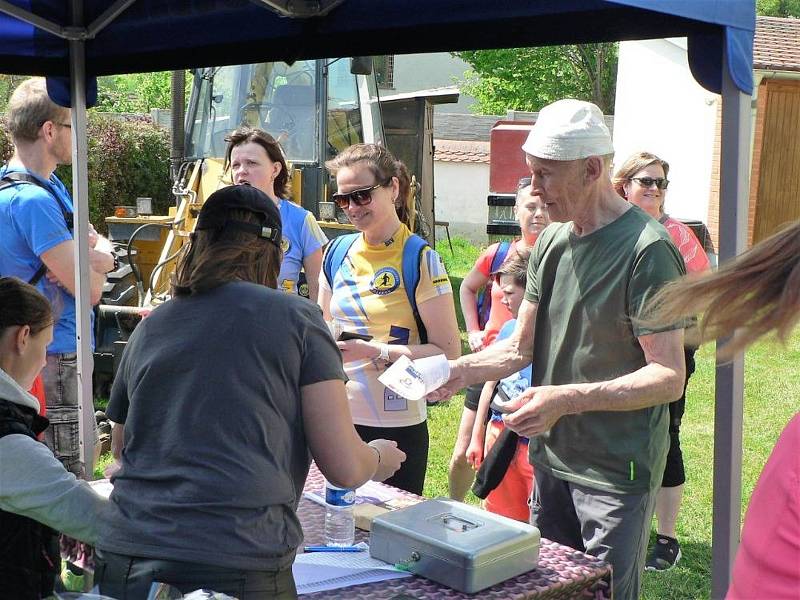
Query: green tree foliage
[[778, 8], [127, 159], [134, 93], [529, 78]]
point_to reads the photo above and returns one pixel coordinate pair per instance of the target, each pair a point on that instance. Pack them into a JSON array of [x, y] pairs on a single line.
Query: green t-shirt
[[588, 289]]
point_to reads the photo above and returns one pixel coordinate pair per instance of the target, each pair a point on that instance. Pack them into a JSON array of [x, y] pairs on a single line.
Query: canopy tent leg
[[734, 193], [80, 198]]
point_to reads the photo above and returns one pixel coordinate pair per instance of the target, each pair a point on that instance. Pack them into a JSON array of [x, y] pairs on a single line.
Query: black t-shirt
[[215, 452]]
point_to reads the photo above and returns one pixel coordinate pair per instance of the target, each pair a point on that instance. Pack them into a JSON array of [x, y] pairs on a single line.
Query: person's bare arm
[[60, 261], [312, 264], [324, 296], [475, 450], [117, 439], [499, 360], [468, 293], [344, 459], [659, 381]]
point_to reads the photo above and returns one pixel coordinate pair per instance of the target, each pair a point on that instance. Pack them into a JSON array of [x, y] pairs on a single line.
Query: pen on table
[[332, 549]]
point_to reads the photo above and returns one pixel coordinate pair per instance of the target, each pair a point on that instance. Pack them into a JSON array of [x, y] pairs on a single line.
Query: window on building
[[384, 70]]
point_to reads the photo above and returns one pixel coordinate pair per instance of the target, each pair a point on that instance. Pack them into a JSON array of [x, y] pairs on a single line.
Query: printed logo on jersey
[[393, 402], [399, 335], [285, 244], [386, 280]]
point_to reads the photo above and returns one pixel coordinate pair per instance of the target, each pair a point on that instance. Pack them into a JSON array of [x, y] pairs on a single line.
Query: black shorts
[[413, 440], [473, 396], [674, 471]]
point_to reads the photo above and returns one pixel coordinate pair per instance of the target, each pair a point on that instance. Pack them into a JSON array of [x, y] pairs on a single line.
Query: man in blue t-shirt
[[36, 245]]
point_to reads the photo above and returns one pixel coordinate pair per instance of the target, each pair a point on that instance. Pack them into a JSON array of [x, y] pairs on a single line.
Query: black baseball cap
[[215, 211]]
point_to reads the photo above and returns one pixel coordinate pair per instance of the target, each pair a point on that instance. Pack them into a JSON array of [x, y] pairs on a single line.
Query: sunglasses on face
[[360, 197], [646, 182]]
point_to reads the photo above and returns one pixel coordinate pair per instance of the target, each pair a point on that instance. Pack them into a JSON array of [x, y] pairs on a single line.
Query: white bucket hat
[[568, 130]]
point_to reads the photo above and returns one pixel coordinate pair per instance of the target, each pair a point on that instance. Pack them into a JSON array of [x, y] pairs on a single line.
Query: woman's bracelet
[[378, 452]]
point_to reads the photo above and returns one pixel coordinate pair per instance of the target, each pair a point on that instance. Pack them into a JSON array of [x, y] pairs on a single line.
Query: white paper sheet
[[320, 571], [415, 379]]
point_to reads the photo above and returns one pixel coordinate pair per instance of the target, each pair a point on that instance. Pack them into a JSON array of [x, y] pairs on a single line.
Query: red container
[[507, 158]]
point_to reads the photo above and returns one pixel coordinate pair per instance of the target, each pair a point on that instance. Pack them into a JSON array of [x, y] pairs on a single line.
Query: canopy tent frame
[[734, 190]]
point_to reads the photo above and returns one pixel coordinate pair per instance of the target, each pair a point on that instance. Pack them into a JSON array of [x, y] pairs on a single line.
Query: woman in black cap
[[224, 391]]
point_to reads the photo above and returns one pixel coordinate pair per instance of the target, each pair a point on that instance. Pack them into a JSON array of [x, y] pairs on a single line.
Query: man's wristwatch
[[384, 355]]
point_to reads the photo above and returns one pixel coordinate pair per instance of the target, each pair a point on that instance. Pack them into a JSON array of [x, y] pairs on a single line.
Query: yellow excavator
[[315, 109]]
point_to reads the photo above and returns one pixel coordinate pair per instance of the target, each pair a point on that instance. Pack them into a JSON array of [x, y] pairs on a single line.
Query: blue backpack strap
[[412, 259], [499, 255], [335, 254]]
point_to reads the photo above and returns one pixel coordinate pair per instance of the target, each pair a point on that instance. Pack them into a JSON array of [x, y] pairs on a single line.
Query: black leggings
[[413, 440]]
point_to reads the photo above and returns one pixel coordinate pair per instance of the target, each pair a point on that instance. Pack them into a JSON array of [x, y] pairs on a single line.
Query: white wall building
[[461, 184], [660, 108], [413, 72]]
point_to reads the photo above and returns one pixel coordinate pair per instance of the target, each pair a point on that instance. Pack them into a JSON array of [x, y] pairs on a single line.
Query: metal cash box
[[455, 544]]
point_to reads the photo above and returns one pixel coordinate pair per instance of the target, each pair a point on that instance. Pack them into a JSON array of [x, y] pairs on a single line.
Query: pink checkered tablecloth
[[562, 572]]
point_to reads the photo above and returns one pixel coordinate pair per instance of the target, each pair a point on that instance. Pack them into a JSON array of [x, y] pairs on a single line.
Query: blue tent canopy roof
[[157, 35]]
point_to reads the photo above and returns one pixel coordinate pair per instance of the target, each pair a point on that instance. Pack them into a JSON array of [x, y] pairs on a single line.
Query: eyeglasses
[[67, 125], [523, 182], [360, 197], [646, 182]]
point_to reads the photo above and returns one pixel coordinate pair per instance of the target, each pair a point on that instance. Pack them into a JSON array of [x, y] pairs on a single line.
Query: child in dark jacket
[[38, 496]]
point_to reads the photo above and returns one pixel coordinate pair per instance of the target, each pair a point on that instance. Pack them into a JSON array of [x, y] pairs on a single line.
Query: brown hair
[[515, 266], [216, 257], [22, 304], [245, 135], [383, 166], [634, 164], [751, 296], [29, 108]]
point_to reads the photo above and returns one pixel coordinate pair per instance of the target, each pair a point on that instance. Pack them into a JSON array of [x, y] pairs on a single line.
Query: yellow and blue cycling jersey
[[368, 296]]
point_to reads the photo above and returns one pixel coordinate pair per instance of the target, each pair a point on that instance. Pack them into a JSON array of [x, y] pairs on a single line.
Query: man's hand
[[537, 409]]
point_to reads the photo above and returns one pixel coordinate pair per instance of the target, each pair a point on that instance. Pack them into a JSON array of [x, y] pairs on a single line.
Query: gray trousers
[[612, 527], [131, 578], [60, 377]]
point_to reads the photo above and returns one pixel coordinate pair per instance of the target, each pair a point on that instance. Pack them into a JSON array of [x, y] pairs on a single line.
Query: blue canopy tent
[[85, 38]]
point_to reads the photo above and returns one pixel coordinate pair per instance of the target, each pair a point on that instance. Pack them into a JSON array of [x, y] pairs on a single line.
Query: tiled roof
[[777, 44], [461, 151]]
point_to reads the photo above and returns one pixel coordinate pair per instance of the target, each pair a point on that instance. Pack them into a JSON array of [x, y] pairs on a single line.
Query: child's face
[[512, 294]]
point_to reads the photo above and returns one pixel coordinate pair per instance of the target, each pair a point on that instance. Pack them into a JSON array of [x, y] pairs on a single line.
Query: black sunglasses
[[646, 182], [360, 197]]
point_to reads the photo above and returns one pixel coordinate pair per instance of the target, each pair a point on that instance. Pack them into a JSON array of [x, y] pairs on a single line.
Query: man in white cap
[[597, 415]]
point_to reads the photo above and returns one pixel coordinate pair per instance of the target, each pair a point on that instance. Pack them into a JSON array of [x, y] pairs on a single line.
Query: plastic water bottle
[[340, 524]]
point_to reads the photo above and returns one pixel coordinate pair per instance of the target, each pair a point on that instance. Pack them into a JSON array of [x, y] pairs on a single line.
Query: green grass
[[772, 390]]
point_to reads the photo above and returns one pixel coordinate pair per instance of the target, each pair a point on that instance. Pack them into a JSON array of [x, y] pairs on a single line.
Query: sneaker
[[665, 554], [73, 582]]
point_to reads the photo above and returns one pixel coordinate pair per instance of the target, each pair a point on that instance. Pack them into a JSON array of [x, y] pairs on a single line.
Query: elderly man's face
[[560, 183]]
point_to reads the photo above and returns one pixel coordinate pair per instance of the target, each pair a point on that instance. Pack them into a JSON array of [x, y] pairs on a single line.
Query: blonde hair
[[383, 166], [751, 296], [29, 108]]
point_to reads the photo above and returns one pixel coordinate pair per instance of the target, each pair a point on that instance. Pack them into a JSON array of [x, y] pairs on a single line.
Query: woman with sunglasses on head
[[255, 158], [531, 213], [642, 180], [364, 293], [753, 296], [38, 496], [226, 392]]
